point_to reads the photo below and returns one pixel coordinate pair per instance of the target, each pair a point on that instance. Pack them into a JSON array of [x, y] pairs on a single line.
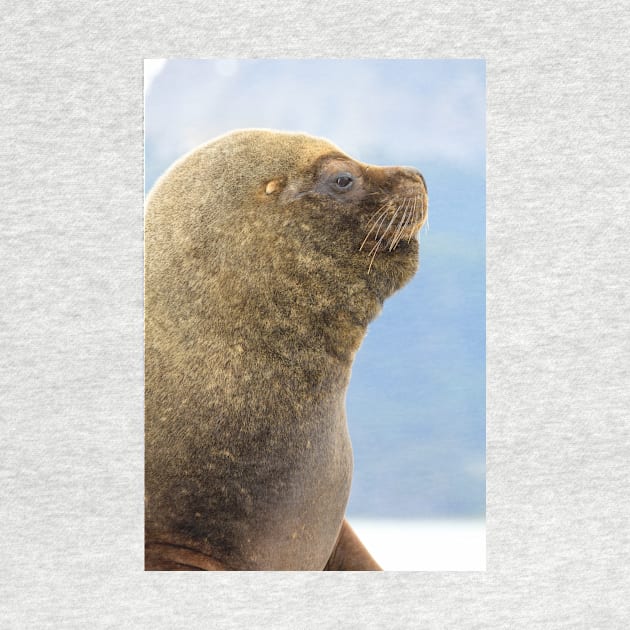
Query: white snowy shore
[[424, 545]]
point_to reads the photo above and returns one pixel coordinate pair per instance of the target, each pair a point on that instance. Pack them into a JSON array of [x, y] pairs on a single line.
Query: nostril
[[414, 173], [423, 182]]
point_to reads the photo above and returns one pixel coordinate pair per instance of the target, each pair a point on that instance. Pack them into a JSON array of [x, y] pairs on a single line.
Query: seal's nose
[[416, 175]]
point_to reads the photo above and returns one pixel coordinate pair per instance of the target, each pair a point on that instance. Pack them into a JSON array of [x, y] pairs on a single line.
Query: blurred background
[[416, 402]]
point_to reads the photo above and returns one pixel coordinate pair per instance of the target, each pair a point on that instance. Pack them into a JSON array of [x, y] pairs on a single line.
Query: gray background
[[557, 285]]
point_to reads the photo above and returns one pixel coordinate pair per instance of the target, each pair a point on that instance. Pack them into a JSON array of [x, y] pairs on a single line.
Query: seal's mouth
[[396, 220]]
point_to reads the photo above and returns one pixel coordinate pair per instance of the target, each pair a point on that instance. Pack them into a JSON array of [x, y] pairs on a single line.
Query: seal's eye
[[343, 181]]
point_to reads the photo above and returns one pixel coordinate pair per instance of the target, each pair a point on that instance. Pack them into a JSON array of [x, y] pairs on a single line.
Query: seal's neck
[[321, 322]]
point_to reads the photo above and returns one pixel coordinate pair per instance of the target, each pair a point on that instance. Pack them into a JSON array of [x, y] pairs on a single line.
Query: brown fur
[[257, 297]]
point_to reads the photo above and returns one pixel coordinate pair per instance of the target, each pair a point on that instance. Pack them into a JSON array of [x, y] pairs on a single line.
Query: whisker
[[378, 220], [379, 225], [372, 258], [401, 225], [401, 232], [372, 254], [377, 245], [390, 223], [412, 218], [416, 217], [376, 212]]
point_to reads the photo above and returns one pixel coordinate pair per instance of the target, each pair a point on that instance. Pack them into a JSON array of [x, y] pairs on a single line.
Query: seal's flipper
[[349, 554], [167, 557]]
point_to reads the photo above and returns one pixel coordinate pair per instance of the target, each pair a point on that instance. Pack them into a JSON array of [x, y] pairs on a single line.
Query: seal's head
[[295, 204]]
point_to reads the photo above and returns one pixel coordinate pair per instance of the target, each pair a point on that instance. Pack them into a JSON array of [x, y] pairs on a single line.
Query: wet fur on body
[[261, 276]]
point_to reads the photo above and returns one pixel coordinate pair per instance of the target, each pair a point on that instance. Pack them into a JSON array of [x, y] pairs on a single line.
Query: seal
[[267, 254]]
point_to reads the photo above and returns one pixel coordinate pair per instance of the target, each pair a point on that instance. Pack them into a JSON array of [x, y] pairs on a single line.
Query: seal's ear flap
[[273, 186]]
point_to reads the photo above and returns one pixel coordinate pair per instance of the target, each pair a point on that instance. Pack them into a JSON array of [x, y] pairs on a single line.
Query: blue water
[[416, 403]]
